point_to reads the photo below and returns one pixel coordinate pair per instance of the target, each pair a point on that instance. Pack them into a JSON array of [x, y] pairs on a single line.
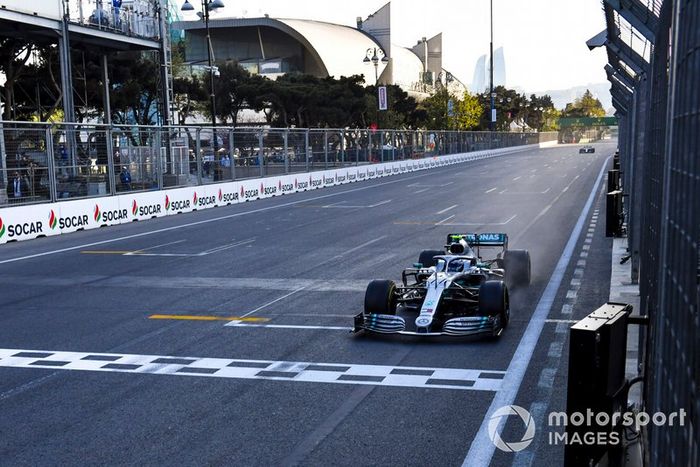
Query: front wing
[[462, 326]]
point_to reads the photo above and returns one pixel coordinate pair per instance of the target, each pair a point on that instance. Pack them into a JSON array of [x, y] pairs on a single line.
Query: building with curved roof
[[274, 46]]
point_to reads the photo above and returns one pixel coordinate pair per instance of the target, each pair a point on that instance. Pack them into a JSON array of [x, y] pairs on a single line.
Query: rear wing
[[482, 239]]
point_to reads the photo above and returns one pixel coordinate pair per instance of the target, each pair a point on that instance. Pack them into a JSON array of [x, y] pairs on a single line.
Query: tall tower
[[479, 79], [499, 67]]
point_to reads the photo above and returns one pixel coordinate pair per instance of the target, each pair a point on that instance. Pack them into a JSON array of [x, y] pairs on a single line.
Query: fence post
[[161, 151], [342, 147], [232, 153], [285, 139], [369, 146], [110, 161], [198, 156], [306, 143], [3, 156], [50, 166], [261, 154], [325, 149]]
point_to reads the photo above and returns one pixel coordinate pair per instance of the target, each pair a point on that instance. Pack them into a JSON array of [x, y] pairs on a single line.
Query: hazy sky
[[543, 40]]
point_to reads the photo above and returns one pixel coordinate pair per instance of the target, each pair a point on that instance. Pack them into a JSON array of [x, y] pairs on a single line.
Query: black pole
[[212, 103], [491, 122]]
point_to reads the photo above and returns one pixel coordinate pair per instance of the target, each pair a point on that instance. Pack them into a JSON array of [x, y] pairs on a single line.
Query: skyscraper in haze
[[499, 68], [481, 80]]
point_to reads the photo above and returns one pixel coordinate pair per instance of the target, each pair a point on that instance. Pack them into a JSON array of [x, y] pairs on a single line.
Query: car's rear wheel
[[517, 266], [426, 257], [380, 298], [493, 301]]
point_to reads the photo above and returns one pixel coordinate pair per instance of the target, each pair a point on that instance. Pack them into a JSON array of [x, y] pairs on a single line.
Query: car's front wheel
[[380, 297]]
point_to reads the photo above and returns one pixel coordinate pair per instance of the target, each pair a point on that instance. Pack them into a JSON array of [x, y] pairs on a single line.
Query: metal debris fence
[[69, 161]]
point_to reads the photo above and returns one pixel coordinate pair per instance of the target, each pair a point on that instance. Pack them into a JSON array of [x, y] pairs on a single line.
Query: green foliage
[[14, 56], [467, 113], [435, 108], [135, 93], [584, 106], [400, 113], [291, 100], [307, 101]]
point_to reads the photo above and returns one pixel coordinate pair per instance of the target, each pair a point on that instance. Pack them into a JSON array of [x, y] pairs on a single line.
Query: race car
[[587, 150], [455, 292]]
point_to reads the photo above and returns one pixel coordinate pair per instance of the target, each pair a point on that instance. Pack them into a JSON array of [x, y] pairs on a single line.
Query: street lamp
[[372, 56], [492, 120], [207, 6]]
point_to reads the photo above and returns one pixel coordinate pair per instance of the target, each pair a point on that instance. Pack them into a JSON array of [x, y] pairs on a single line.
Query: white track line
[[445, 220], [273, 301], [447, 209], [482, 448], [489, 191]]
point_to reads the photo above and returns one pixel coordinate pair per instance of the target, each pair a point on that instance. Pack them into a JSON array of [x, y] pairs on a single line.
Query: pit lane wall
[[48, 219]]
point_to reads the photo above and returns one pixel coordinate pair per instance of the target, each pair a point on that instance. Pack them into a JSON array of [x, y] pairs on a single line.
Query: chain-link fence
[[52, 162], [659, 144]]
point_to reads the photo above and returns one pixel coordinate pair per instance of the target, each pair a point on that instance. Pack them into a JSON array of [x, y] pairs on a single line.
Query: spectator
[[125, 178], [225, 161], [17, 188]]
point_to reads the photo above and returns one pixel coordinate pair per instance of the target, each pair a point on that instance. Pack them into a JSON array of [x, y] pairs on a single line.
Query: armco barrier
[[37, 220]]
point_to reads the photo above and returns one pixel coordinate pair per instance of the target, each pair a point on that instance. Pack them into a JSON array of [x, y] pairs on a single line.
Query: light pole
[[492, 121], [374, 55], [207, 6]]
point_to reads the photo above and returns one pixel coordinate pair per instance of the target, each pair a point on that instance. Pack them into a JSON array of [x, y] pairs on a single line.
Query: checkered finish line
[[375, 375]]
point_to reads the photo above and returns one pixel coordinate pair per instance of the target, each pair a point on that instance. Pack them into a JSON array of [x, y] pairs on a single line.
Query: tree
[[584, 106], [14, 55], [435, 108], [400, 111], [189, 94], [307, 101], [540, 113], [135, 83], [227, 88], [36, 92], [468, 112], [510, 106]]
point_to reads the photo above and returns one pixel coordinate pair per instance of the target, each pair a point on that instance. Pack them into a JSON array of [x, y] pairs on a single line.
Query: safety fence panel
[[56, 162]]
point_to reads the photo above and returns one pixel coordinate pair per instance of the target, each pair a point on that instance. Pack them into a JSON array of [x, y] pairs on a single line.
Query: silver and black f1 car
[[587, 150], [455, 292]]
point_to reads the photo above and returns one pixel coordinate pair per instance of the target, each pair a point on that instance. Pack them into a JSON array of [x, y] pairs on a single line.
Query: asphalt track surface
[[91, 374]]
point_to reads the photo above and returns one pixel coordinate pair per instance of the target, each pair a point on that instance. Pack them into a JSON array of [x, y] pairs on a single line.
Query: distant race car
[[454, 292], [587, 150]]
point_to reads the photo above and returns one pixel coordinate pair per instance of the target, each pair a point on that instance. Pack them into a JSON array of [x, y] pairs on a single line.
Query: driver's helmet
[[458, 265]]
